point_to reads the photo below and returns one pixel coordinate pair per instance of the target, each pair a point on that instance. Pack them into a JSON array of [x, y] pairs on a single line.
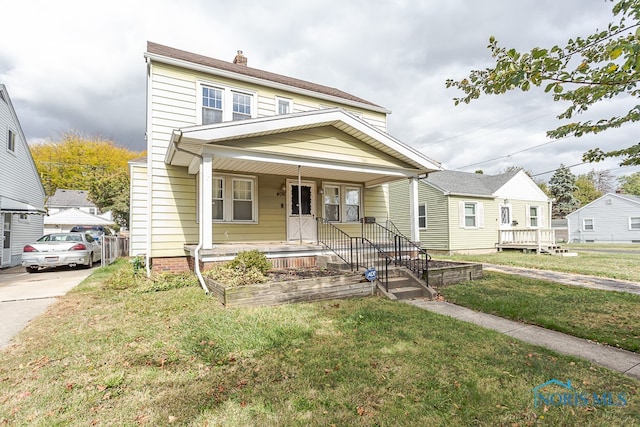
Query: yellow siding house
[[243, 158]]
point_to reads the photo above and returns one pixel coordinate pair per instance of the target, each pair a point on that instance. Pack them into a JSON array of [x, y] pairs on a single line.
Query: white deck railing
[[538, 237]]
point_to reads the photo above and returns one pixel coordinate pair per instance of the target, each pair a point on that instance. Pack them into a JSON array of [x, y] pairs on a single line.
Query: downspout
[[196, 252]]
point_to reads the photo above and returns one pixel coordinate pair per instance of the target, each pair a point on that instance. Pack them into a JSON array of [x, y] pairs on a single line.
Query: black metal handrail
[[401, 249], [360, 253]]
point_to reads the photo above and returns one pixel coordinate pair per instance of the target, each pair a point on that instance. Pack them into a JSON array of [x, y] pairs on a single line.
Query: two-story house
[[239, 157], [21, 191]]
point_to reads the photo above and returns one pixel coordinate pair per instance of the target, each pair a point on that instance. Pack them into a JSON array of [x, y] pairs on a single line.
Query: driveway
[[24, 296]]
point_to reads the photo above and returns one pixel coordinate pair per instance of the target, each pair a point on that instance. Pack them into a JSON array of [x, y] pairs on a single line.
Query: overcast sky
[[78, 65]]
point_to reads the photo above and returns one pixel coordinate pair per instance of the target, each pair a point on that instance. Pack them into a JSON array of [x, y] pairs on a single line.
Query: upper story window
[[284, 106], [211, 105], [11, 141], [342, 202], [222, 104], [241, 106]]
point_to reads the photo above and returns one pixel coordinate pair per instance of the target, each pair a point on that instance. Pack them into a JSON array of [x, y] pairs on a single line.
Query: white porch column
[[413, 209], [205, 207]]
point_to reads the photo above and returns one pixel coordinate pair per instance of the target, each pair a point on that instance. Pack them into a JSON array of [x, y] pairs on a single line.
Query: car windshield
[[60, 237]]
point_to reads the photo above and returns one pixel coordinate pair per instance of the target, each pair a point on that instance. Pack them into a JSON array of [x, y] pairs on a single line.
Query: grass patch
[[602, 316], [624, 266], [108, 354]]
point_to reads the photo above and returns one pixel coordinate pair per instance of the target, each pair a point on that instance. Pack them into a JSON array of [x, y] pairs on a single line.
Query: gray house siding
[[606, 220]]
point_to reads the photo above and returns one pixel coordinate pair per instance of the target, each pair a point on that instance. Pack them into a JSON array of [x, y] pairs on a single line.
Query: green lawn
[[120, 351], [623, 265], [607, 317]]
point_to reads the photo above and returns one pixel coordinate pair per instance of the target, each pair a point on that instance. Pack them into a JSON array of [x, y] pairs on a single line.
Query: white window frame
[[227, 101], [538, 216], [24, 218], [591, 224], [221, 199], [343, 189], [422, 216], [227, 199], [325, 190], [634, 223], [284, 101], [478, 214]]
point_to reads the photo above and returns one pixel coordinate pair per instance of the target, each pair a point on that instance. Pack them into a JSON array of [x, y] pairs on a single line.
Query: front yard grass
[[606, 317], [117, 351], [624, 265]]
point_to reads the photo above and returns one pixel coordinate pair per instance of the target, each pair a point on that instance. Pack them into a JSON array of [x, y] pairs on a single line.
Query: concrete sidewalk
[[623, 361], [572, 279]]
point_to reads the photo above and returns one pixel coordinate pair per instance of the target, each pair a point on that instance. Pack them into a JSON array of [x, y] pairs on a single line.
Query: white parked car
[[58, 249]]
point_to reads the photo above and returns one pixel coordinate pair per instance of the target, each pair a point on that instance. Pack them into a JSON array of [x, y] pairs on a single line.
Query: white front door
[[301, 208], [5, 260], [505, 223]]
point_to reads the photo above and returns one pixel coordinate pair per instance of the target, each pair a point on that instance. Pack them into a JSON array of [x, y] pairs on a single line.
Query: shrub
[[253, 259]]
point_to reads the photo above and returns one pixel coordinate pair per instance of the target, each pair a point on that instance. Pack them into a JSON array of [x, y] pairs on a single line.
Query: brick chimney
[[240, 59]]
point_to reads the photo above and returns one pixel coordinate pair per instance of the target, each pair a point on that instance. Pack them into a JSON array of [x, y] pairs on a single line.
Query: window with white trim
[[634, 223], [471, 214], [217, 199], [422, 215], [234, 199], [284, 105], [587, 224], [11, 141], [223, 104], [332, 203], [342, 202], [534, 216]]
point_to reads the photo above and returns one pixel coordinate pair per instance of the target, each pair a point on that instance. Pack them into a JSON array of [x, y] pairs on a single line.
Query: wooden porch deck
[[537, 240]]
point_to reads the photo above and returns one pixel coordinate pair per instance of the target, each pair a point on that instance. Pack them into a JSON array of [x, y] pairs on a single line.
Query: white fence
[[114, 247], [538, 237]]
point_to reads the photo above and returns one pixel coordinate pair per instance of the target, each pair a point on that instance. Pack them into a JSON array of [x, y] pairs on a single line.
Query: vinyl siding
[[399, 201], [172, 104], [138, 214], [436, 236], [485, 236], [610, 215]]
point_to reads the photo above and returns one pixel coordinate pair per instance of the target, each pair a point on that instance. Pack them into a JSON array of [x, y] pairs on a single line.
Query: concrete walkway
[[623, 361], [582, 280]]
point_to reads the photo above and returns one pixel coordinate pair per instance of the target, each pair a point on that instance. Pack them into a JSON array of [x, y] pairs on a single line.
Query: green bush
[[253, 259]]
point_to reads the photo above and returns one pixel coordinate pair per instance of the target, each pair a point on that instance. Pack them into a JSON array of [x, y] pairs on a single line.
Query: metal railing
[[359, 253], [400, 248], [113, 247]]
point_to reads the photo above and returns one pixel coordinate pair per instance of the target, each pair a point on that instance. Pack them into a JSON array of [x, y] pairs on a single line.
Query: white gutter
[[197, 267]]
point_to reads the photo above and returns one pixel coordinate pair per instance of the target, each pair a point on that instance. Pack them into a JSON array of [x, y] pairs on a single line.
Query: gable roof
[[191, 142], [468, 184], [75, 216], [161, 53], [628, 197], [69, 198]]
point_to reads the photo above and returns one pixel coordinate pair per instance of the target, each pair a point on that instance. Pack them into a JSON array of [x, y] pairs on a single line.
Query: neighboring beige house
[[240, 158], [461, 212], [21, 191]]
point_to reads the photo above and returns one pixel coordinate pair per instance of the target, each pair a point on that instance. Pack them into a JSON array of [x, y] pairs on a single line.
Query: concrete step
[[407, 292], [399, 282], [338, 265]]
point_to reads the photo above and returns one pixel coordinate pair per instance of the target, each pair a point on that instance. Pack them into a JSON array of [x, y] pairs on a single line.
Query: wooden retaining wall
[[274, 293]]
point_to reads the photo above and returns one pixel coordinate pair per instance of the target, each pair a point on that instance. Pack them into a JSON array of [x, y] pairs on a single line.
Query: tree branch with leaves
[[587, 70]]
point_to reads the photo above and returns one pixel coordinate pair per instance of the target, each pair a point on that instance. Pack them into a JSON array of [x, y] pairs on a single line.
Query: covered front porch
[[266, 182]]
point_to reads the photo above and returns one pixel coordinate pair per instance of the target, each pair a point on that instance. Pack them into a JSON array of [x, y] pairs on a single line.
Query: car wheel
[[90, 265], [31, 269]]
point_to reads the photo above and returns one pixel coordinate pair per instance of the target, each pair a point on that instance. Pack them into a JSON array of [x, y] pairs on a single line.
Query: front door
[[5, 260], [505, 223], [301, 209]]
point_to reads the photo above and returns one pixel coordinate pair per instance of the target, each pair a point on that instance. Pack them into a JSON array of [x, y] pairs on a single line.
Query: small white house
[[612, 218]]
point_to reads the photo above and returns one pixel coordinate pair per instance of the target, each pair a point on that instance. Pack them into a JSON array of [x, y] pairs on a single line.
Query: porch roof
[[188, 144]]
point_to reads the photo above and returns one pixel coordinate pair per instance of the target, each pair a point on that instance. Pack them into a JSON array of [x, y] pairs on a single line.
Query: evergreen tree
[[562, 187]]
